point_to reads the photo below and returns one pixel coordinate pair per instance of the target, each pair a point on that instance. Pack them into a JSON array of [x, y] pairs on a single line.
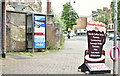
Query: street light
[[69, 20], [69, 28]]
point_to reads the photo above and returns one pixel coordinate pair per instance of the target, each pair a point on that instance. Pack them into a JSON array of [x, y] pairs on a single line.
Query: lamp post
[[69, 28], [69, 20]]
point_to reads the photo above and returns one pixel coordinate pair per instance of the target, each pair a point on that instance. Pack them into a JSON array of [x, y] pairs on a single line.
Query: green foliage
[[26, 53], [46, 51], [118, 15], [103, 16], [65, 15], [21, 53], [62, 42], [9, 51], [61, 22], [49, 47], [112, 11], [51, 11]]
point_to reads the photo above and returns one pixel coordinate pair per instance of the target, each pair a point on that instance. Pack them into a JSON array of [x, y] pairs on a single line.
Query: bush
[[49, 47], [62, 42], [26, 53]]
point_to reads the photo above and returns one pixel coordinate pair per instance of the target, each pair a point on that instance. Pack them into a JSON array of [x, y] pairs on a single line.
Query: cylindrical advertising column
[[96, 39]]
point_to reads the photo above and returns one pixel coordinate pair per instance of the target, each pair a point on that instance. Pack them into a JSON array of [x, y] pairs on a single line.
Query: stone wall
[[50, 31], [29, 6], [58, 31], [50, 35], [15, 32], [54, 32]]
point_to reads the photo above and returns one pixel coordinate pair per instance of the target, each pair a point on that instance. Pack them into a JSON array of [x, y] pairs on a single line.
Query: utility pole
[[4, 29], [115, 33]]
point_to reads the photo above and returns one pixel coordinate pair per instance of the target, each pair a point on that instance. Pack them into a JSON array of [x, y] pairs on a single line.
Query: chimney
[[48, 6], [105, 8]]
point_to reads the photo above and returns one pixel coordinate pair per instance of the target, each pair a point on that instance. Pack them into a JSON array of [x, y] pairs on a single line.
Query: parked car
[[111, 37], [65, 35], [118, 38]]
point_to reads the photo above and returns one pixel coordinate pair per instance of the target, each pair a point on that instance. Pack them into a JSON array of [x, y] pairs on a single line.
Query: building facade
[[104, 14], [25, 5]]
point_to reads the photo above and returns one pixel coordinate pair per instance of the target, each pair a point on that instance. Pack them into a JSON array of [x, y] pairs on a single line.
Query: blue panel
[[39, 39], [39, 26], [39, 44], [42, 24], [39, 17]]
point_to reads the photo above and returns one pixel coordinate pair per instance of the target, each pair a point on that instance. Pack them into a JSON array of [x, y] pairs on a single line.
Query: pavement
[[0, 66], [65, 61]]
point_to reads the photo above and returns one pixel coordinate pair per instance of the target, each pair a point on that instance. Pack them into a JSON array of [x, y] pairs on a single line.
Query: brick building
[[81, 25], [96, 16]]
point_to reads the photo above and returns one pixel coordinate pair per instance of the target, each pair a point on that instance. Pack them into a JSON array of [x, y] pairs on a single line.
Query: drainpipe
[[3, 29]]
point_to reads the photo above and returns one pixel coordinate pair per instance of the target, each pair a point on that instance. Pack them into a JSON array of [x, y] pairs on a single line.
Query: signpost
[[96, 39], [115, 33], [94, 60]]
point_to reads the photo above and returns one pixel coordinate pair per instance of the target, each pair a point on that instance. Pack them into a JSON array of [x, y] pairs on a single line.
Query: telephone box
[[35, 32]]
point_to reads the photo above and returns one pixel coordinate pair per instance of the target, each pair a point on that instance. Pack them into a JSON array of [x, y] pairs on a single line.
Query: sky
[[82, 7]]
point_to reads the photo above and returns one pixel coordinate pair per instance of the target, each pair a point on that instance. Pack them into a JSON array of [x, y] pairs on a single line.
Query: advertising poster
[[39, 32], [98, 66], [96, 39]]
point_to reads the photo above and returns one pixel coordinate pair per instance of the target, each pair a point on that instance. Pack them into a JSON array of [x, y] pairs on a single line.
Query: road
[[65, 61]]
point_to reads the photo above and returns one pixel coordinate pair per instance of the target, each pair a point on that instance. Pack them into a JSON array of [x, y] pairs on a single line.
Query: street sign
[[96, 38], [97, 66], [96, 41], [94, 58]]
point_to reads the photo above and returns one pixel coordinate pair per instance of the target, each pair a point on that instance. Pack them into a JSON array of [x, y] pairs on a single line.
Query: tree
[[65, 15], [61, 22], [51, 11], [118, 15], [103, 16]]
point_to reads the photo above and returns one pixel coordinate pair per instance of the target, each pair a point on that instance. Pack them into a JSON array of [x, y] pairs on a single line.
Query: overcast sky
[[82, 7]]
